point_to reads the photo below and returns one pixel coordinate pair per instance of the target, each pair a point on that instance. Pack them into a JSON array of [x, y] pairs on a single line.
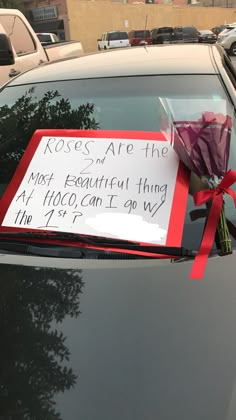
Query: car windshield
[[113, 36], [218, 29], [111, 104], [141, 34], [165, 30], [189, 30], [44, 38], [227, 30]]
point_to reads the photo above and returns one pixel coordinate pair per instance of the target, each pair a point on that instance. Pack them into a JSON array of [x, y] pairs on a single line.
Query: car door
[[153, 33], [26, 54], [178, 38], [167, 35], [124, 39]]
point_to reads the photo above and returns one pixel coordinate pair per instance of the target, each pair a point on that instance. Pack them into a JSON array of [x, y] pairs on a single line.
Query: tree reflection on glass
[[19, 121], [34, 357]]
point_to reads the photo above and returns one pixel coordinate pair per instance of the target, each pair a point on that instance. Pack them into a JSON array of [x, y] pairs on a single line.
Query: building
[[70, 19], [48, 16]]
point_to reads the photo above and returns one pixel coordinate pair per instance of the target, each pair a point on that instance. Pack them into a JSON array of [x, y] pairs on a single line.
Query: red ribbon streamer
[[217, 197]]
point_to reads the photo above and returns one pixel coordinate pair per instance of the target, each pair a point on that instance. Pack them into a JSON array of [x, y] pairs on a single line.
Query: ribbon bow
[[217, 197]]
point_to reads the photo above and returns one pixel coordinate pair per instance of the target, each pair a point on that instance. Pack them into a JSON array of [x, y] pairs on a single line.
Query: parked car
[[207, 36], [47, 38], [227, 39], [21, 50], [96, 333], [139, 37], [218, 29], [175, 35], [162, 35], [114, 39]]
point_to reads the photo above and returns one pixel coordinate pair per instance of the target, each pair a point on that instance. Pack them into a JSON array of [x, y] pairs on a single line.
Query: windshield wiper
[[95, 241], [43, 251]]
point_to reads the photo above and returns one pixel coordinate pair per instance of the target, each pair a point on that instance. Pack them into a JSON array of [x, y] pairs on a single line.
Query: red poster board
[[140, 170]]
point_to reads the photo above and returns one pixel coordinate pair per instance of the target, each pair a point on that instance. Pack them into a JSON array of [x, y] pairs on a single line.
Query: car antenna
[[145, 27]]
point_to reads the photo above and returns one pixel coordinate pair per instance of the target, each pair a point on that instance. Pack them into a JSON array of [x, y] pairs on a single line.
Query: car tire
[[232, 50]]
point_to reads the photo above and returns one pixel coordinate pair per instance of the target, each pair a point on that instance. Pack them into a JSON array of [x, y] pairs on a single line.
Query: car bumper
[[224, 43], [208, 40]]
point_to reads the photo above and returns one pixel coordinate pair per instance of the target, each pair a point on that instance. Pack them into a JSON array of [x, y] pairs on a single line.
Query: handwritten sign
[[127, 185]]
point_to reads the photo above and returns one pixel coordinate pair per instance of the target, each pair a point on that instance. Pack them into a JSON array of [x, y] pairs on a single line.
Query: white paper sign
[[113, 187]]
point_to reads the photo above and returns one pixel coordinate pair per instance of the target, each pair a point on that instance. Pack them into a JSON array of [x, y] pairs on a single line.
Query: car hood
[[102, 340]]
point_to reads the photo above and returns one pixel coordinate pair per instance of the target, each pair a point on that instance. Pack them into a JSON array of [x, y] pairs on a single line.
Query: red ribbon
[[217, 197]]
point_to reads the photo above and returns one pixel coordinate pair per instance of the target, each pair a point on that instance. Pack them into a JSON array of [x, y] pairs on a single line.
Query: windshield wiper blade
[[49, 251], [97, 241], [57, 236]]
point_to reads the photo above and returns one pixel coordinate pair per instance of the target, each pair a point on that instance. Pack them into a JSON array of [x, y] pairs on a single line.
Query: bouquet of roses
[[203, 146]]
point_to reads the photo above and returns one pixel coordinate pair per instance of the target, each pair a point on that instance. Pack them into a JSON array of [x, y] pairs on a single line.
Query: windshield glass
[[114, 36], [141, 34], [227, 30], [189, 30], [110, 104], [45, 37], [165, 30]]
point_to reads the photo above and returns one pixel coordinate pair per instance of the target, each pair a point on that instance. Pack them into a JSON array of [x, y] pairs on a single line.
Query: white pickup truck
[[47, 38], [114, 39], [21, 50]]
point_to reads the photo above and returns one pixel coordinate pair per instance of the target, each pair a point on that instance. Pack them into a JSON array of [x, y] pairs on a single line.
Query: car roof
[[165, 27], [139, 30], [113, 32], [153, 60]]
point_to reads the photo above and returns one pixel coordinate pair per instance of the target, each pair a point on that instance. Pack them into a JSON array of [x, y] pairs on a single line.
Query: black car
[[207, 36], [89, 331], [162, 35], [175, 35]]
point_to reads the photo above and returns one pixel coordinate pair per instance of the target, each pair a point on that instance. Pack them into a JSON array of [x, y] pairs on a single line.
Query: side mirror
[[98, 40], [6, 51]]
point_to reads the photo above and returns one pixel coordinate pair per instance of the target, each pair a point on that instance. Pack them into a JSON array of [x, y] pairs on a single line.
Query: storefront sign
[[44, 13]]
